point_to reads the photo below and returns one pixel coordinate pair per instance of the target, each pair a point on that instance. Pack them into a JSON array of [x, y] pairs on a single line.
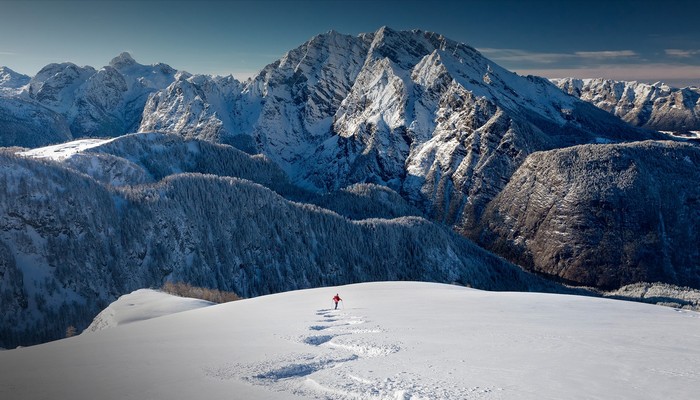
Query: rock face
[[602, 215], [195, 106], [656, 106]]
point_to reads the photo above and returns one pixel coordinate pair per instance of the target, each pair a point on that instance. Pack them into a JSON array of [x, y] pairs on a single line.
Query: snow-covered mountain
[[657, 106], [71, 243], [65, 101], [199, 107], [429, 117], [394, 340], [356, 139], [426, 116], [10, 80], [107, 102]]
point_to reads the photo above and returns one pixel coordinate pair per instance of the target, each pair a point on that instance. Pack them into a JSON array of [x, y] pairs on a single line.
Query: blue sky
[[623, 39]]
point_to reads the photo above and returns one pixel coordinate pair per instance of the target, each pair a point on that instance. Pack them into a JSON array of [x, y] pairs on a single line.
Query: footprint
[[318, 340], [318, 327], [301, 369], [289, 371]]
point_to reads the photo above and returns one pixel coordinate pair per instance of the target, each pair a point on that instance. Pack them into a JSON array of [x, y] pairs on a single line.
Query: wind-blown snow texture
[[72, 243], [396, 340]]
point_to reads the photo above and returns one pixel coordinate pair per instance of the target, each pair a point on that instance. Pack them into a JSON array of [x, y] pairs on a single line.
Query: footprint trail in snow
[[349, 357]]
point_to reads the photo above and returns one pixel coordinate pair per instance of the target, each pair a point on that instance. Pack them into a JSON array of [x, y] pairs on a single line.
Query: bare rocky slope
[[602, 215]]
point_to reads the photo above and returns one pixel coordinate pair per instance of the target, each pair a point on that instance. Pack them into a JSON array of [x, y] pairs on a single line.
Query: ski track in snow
[[336, 341]]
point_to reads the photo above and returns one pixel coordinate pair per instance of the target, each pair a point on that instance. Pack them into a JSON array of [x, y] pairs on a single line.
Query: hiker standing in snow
[[336, 299]]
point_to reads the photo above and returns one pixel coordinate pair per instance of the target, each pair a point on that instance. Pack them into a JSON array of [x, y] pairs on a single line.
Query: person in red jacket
[[336, 299]]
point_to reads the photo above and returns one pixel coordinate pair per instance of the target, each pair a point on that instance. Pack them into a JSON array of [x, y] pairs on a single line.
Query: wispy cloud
[[681, 53], [673, 74], [534, 57], [7, 53], [606, 54], [518, 55]]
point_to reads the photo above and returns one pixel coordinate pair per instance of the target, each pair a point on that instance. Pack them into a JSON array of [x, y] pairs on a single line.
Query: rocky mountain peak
[[122, 60], [11, 79]]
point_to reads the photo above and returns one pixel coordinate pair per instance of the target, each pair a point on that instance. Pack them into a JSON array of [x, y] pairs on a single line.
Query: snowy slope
[[141, 305], [388, 342], [63, 150]]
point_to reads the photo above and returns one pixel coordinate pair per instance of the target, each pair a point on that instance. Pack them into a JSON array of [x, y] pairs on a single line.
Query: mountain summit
[[122, 60]]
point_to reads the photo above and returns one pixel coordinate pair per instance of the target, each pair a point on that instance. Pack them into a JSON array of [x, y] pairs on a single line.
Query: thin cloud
[[606, 54], [7, 53], [681, 53], [674, 74], [518, 55], [525, 56]]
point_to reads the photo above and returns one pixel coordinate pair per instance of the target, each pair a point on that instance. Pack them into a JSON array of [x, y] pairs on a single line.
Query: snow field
[[64, 150], [394, 340]]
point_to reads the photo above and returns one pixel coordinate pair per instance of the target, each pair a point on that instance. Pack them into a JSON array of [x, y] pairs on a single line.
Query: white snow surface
[[142, 305], [394, 340], [64, 150]]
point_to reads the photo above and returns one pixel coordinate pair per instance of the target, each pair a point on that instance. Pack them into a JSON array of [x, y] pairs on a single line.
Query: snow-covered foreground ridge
[[141, 305], [396, 340]]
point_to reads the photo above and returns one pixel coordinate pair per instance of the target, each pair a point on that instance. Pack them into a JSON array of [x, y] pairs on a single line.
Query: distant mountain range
[[656, 106], [389, 124], [65, 101]]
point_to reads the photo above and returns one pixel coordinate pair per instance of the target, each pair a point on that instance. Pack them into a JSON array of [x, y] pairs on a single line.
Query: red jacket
[[337, 298]]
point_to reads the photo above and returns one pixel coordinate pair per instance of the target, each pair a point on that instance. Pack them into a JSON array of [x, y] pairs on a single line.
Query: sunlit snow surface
[[389, 341], [142, 305], [64, 150]]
